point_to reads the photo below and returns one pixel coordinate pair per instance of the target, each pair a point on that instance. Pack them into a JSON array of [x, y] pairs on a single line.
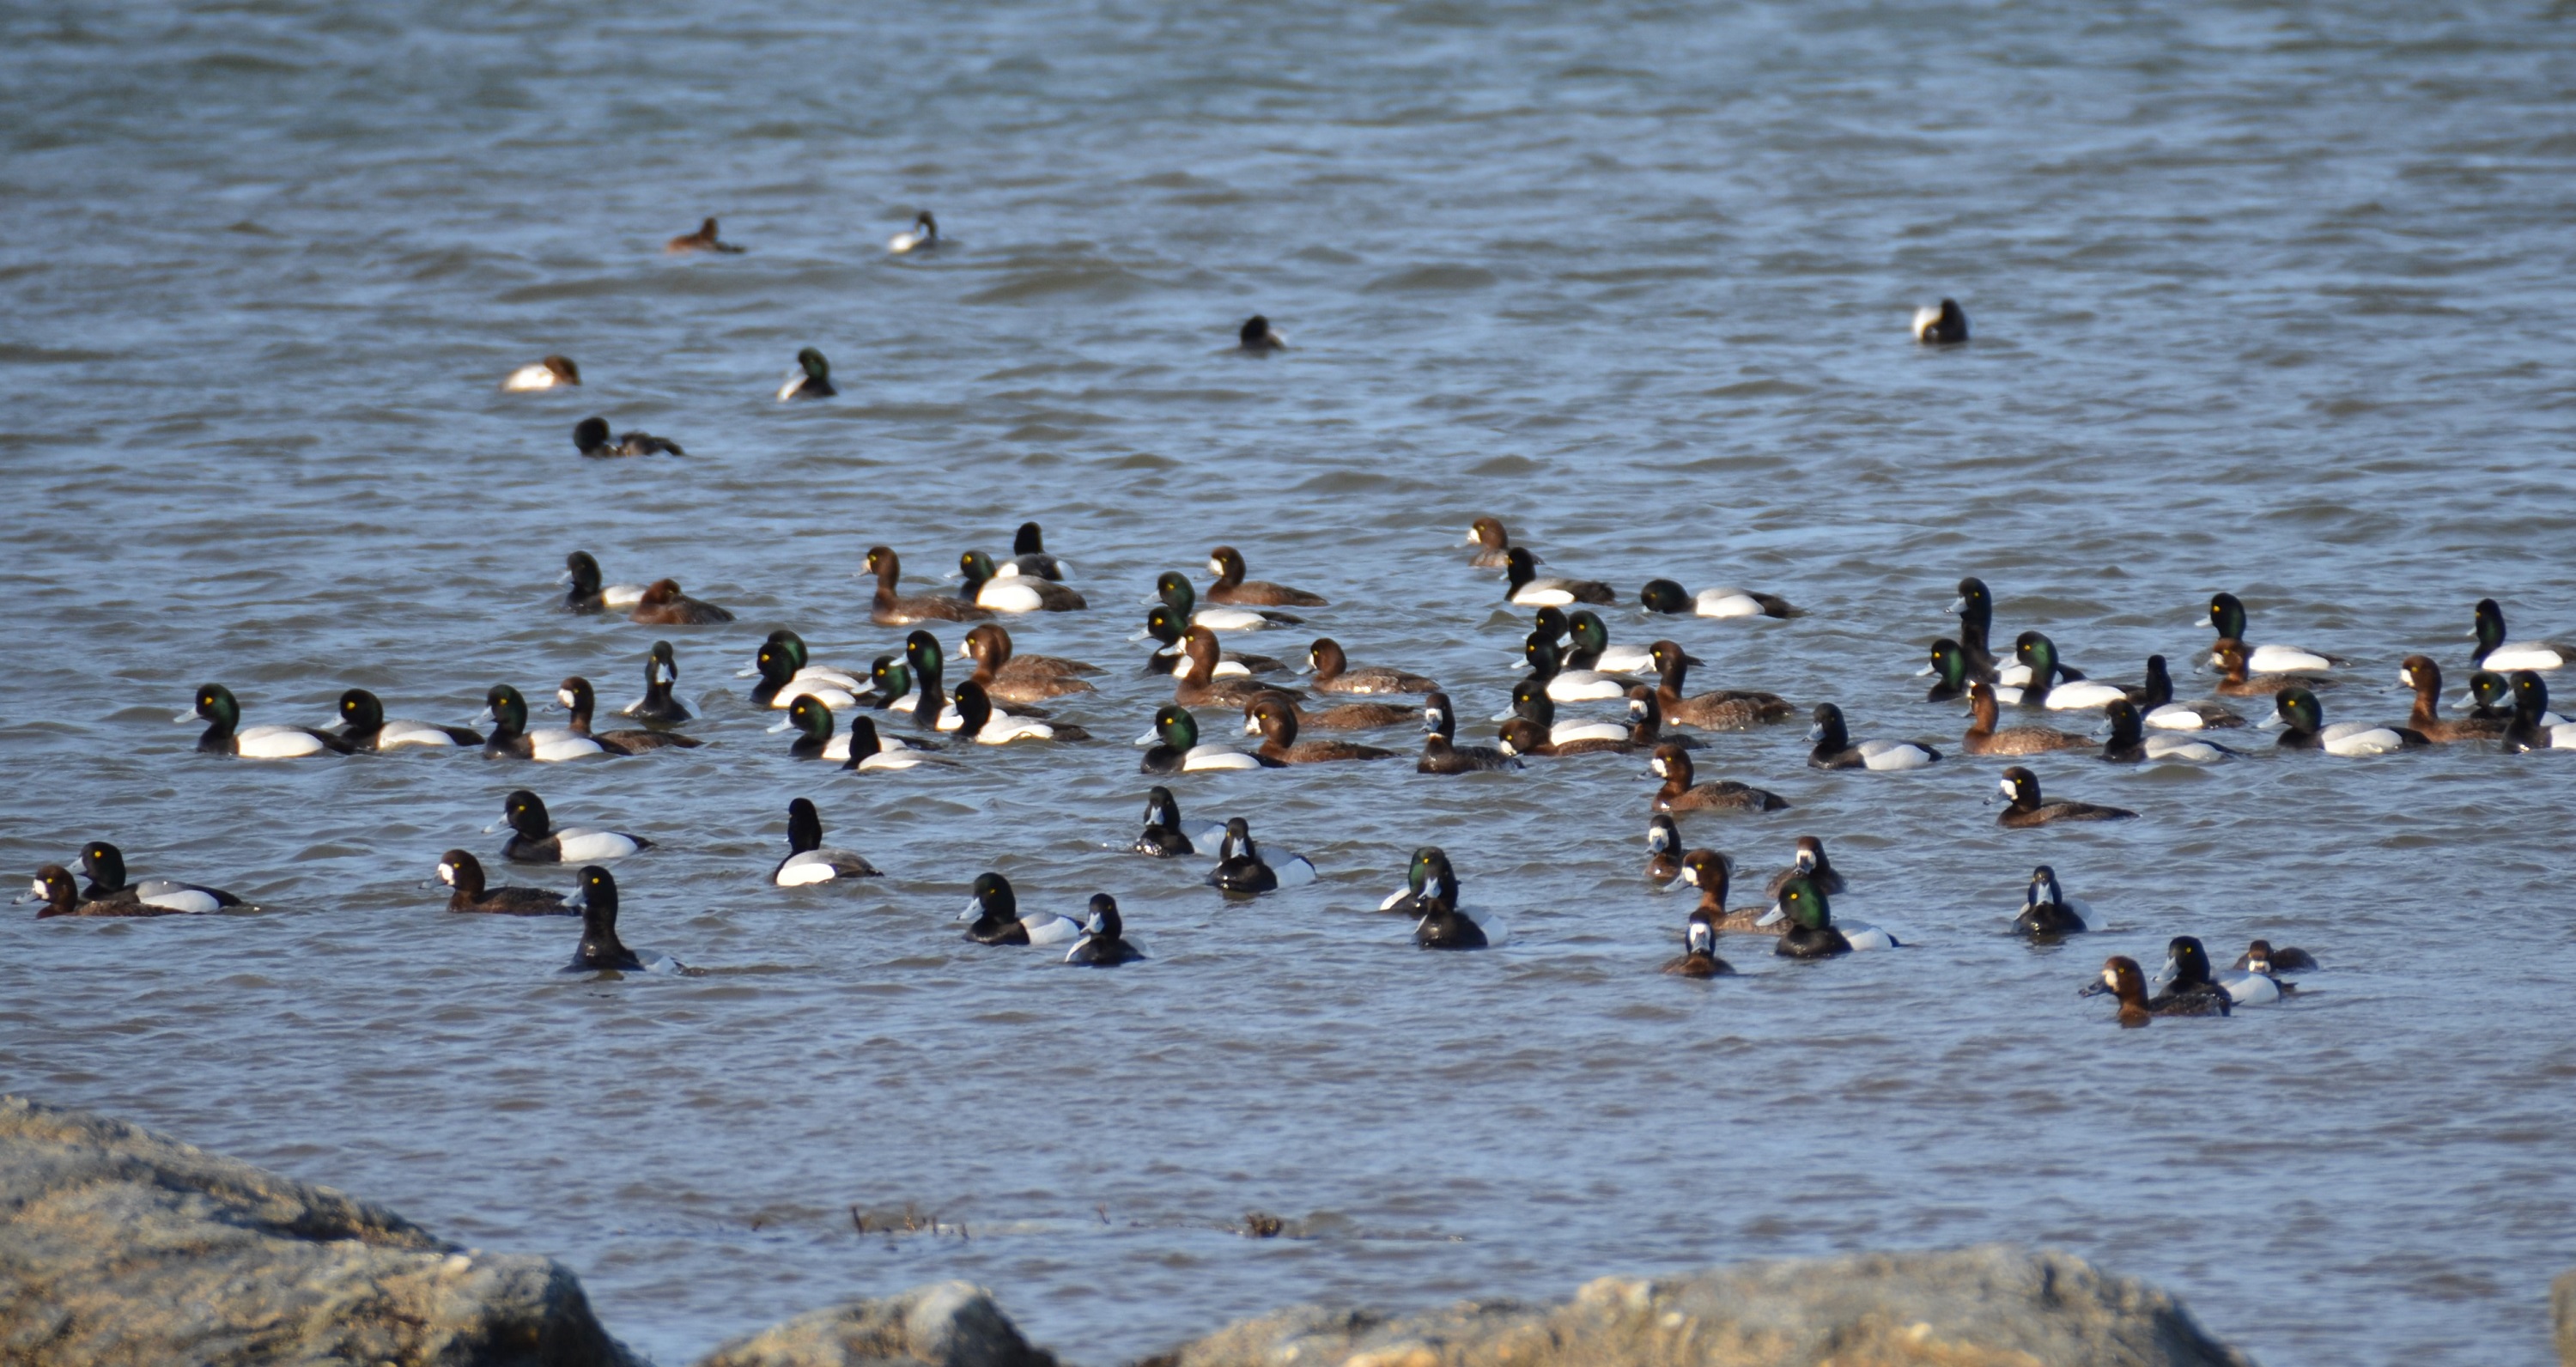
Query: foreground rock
[[118, 1246], [952, 1324], [1979, 1307]]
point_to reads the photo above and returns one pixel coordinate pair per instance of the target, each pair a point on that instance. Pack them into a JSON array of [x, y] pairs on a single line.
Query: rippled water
[[2266, 299]]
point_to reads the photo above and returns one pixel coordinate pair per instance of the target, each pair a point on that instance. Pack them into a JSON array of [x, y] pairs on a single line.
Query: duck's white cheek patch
[[2007, 787], [1658, 767], [447, 874]]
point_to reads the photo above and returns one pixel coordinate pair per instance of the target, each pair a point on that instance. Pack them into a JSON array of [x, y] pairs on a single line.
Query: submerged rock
[[951, 1324], [1991, 1306], [119, 1246]]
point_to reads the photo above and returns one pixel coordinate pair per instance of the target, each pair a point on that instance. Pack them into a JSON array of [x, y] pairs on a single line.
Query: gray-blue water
[[2266, 299]]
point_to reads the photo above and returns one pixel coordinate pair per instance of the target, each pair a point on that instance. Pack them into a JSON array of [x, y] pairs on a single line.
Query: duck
[[986, 587], [1166, 834], [2228, 616], [799, 666], [1440, 752], [1440, 923], [550, 373], [1949, 671], [590, 437], [534, 839], [2024, 807], [2419, 673], [1984, 739], [1103, 943], [1671, 599], [463, 873], [890, 609], [1349, 716], [1426, 876], [1029, 555], [1721, 710], [1493, 544], [588, 594], [577, 698], [2052, 685], [105, 865], [994, 907], [1173, 588], [2047, 912], [2493, 694], [1197, 685], [225, 735], [2260, 957], [1256, 337], [1698, 958], [2155, 700], [1663, 849], [1976, 609], [61, 897], [1567, 685], [812, 720], [1164, 625], [1811, 864], [1591, 648], [1811, 932], [811, 379], [1835, 748], [2129, 743], [2122, 979], [1334, 673], [511, 738], [1710, 872], [1241, 869], [1672, 764], [1525, 586], [2297, 711], [661, 675], [2504, 656], [783, 680], [1226, 563], [663, 605], [2187, 973], [808, 861], [703, 240], [978, 721], [1943, 326], [869, 752], [1007, 677], [1531, 703], [2233, 663], [922, 236], [1522, 736], [1646, 722], [1176, 749], [364, 727], [600, 950], [2531, 728]]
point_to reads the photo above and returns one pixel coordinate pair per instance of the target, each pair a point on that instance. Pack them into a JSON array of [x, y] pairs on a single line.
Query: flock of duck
[[834, 714]]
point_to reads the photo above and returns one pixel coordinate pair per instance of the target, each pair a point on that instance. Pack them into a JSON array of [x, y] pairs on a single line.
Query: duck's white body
[[1229, 619], [822, 690], [1543, 593], [1204, 758], [276, 742], [2186, 749], [795, 385], [170, 896], [1625, 660], [400, 732], [1012, 592], [1925, 319], [2537, 656], [1585, 685], [2176, 716], [1044, 927], [909, 240], [532, 376], [2360, 738], [2280, 659], [578, 846], [1726, 603], [807, 867], [2083, 695], [1893, 756]]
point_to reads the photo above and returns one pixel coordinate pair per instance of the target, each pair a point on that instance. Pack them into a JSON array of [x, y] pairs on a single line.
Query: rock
[[1991, 1306], [951, 1324], [119, 1246], [2562, 1307]]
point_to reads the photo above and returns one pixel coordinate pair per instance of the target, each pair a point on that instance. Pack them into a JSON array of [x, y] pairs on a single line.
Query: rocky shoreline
[[120, 1246]]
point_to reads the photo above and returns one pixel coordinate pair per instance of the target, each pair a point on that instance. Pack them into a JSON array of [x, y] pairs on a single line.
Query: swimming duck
[[1811, 864], [1812, 933], [1349, 716], [590, 437], [1672, 764], [1173, 588], [2052, 685], [1029, 555], [1976, 609], [546, 374], [2025, 808], [600, 949], [511, 738], [812, 720], [1440, 752], [703, 240], [1493, 544], [2187, 974], [1699, 957], [922, 236], [1567, 685], [1166, 834], [1646, 722], [2129, 743], [2296, 709], [577, 698], [224, 734], [1665, 596], [807, 860], [1440, 924], [364, 727], [2493, 694], [1427, 876], [1013, 592], [1104, 938], [869, 752], [663, 605], [2121, 978], [464, 873], [811, 379], [61, 897], [1197, 685], [1256, 337], [105, 865], [2233, 661], [978, 721], [1720, 710], [2260, 957], [2496, 653], [1165, 624], [1949, 671], [1663, 849], [995, 910], [2228, 616], [1241, 869], [1022, 679], [1591, 649], [1176, 748], [588, 594], [1226, 563], [800, 666], [890, 609], [1943, 326], [783, 680], [2530, 729], [1836, 750], [2156, 702], [661, 675], [1710, 872], [2419, 673], [534, 840], [1525, 586], [2046, 911], [1530, 702], [1984, 739], [1522, 736], [1334, 673]]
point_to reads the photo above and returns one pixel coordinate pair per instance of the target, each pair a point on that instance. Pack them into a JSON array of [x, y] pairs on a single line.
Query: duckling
[[2156, 701], [663, 605], [1165, 625], [891, 609], [1334, 673], [1440, 753], [808, 860], [1943, 326], [590, 437], [2531, 728], [588, 594], [1811, 864], [1257, 338], [2129, 743], [1226, 563], [1524, 584], [1166, 834], [1199, 686], [364, 727], [1812, 933], [2047, 912], [2227, 616], [984, 587], [1984, 739], [2260, 957], [511, 738], [2496, 653], [1176, 748], [1663, 850], [1241, 869], [2419, 673], [922, 236], [2121, 978], [1493, 544], [2297, 710], [1669, 598], [1699, 959], [2025, 808], [995, 910], [1949, 671], [534, 839], [811, 379], [105, 865], [1710, 871], [1672, 764], [1722, 710], [1836, 750], [1173, 588], [1029, 555], [1104, 937], [550, 373], [225, 735], [464, 873], [658, 706], [577, 698], [703, 240]]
